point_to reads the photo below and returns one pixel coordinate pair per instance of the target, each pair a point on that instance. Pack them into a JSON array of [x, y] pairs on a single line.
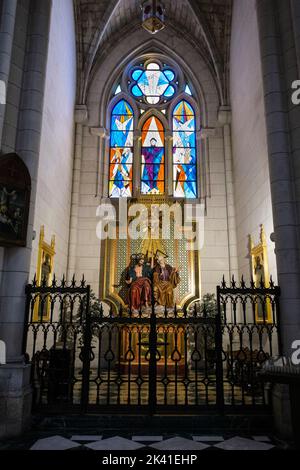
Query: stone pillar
[[277, 97], [15, 392], [224, 118], [278, 61], [295, 9], [80, 117], [7, 27]]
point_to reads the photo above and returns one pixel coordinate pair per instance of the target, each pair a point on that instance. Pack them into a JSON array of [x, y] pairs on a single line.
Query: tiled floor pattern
[[161, 443]]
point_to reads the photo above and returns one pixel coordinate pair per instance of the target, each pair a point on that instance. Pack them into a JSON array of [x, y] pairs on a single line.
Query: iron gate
[[156, 360]]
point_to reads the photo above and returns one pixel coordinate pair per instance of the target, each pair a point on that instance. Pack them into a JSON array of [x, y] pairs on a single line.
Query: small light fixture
[[153, 14]]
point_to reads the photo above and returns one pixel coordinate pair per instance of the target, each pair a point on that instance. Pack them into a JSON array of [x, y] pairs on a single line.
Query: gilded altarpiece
[[114, 291], [116, 257]]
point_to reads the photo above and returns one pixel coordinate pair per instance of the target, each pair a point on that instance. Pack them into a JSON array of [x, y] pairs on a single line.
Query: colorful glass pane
[[153, 157], [169, 74], [152, 83], [184, 151], [121, 150], [188, 90]]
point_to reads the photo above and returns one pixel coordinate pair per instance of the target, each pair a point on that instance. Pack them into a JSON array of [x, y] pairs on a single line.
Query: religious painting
[[260, 274], [44, 273], [184, 151], [121, 150], [15, 187], [153, 157]]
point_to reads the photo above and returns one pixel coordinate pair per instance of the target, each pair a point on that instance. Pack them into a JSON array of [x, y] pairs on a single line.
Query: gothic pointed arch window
[[121, 150], [184, 159], [149, 164], [153, 157]]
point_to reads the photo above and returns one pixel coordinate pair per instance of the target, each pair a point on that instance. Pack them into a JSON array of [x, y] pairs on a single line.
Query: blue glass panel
[[152, 83], [122, 123], [122, 107], [121, 139], [185, 189], [121, 156], [184, 139], [169, 91], [184, 151], [169, 74], [188, 90], [136, 91], [136, 74], [120, 172]]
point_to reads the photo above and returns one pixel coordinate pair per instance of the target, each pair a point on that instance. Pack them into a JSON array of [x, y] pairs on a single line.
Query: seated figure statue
[[139, 280], [165, 279]]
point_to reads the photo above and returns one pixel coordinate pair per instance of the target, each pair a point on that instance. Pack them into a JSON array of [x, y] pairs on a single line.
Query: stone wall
[[54, 184], [249, 137]]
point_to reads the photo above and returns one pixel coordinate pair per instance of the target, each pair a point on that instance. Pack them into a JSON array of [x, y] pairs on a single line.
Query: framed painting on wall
[[15, 188]]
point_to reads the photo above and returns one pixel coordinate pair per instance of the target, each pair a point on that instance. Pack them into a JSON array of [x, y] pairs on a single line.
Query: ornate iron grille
[[157, 360], [249, 336]]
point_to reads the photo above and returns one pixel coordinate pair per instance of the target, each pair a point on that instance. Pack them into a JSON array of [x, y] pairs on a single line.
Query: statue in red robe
[[139, 281]]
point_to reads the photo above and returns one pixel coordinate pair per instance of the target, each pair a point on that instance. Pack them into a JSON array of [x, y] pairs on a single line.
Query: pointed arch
[[121, 149], [184, 153], [153, 156]]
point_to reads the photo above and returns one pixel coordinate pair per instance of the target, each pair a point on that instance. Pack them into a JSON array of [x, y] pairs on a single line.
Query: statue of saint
[[45, 277], [139, 280], [165, 279], [259, 272]]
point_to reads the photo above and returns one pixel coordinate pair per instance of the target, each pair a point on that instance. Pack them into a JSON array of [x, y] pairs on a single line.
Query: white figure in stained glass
[[153, 85]]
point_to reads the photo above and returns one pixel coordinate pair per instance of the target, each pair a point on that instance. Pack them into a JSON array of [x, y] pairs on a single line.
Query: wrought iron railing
[[154, 360]]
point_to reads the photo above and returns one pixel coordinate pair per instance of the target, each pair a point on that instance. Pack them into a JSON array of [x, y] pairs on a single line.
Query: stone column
[[224, 118], [80, 118], [7, 27], [15, 392], [278, 60], [295, 9], [276, 97]]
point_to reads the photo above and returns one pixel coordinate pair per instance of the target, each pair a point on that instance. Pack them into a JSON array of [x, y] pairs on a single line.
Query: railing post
[[278, 319], [152, 361], [87, 338], [26, 317], [219, 358]]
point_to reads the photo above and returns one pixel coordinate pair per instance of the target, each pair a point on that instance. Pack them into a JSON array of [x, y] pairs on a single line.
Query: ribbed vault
[[103, 24]]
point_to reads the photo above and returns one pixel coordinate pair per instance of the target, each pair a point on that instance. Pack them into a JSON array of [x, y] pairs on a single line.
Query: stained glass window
[[184, 151], [153, 157], [187, 90], [121, 150], [152, 83]]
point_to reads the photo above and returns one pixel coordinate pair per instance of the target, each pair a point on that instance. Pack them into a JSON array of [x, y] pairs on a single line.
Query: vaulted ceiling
[[205, 24]]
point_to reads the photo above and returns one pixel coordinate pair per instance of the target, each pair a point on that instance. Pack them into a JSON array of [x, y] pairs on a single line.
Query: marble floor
[[185, 442]]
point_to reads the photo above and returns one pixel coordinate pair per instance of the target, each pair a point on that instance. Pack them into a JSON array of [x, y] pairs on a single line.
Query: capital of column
[[205, 132], [99, 131], [80, 113], [224, 115]]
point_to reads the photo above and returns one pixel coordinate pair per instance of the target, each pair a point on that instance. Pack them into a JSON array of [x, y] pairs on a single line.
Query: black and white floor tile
[[161, 443]]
